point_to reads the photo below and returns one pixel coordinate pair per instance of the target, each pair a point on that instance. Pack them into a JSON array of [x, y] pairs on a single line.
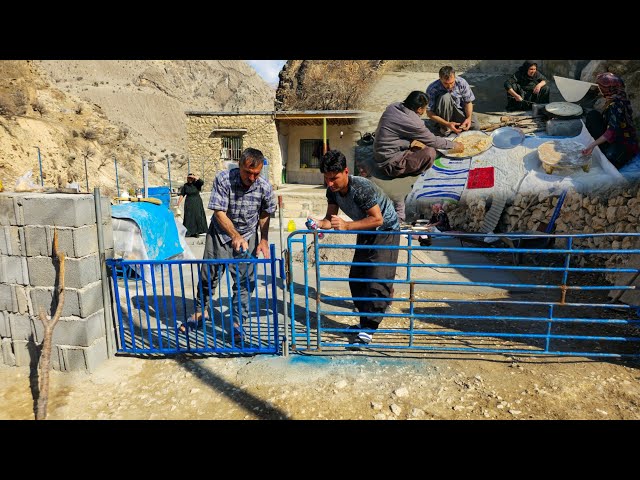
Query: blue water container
[[161, 193], [265, 169]]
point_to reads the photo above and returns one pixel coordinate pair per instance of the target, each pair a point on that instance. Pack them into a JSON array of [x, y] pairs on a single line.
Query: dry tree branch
[[49, 325]]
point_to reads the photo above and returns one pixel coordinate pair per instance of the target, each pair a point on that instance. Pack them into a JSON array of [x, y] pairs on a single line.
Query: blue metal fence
[[552, 301], [156, 298]]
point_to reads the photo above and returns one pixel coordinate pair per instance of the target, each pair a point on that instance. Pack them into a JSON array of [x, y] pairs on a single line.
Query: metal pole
[[115, 161], [169, 169], [203, 169], [145, 177], [40, 163], [188, 165], [324, 135], [285, 344], [106, 298], [86, 173]]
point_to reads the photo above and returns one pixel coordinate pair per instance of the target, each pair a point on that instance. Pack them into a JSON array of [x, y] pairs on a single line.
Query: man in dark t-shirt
[[369, 209]]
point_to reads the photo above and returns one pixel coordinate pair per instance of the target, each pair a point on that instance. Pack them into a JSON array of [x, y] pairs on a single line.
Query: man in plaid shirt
[[242, 202]]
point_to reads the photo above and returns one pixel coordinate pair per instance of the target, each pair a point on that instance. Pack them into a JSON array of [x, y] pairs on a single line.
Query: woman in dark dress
[[526, 87], [613, 129], [195, 220]]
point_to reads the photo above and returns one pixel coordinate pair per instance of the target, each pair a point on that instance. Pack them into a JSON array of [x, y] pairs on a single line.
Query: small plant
[[79, 109], [89, 134], [39, 107], [7, 106]]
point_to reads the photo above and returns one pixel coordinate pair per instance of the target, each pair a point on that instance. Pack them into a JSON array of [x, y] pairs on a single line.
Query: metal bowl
[[507, 137]]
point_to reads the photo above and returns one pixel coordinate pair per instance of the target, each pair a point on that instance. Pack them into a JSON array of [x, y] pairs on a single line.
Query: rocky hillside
[[100, 110]]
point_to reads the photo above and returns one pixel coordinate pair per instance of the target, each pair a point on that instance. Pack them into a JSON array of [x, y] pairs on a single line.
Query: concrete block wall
[[27, 278]]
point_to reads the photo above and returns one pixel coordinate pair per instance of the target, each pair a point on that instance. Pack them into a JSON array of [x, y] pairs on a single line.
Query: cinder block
[[107, 232], [105, 205], [7, 210], [26, 353], [4, 248], [13, 269], [96, 354], [59, 209], [37, 241], [8, 358], [77, 302], [23, 327], [11, 240], [72, 331], [21, 299], [5, 329], [85, 241], [78, 271], [6, 297]]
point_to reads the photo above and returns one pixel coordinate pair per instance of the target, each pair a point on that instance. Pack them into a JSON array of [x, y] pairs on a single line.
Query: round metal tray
[[444, 151], [507, 137], [564, 109]]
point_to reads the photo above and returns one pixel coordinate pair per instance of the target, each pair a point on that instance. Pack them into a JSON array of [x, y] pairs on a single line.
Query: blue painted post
[[40, 163]]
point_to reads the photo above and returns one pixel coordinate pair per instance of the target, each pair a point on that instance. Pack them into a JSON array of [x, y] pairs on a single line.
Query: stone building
[[292, 141]]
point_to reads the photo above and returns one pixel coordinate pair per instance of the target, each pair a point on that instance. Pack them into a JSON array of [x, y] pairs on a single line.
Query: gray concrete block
[[71, 358], [5, 329], [26, 353], [75, 331], [80, 302], [6, 297], [96, 354], [7, 210], [13, 269], [106, 209], [85, 241], [107, 231], [23, 327], [4, 248], [11, 240], [59, 209], [21, 299], [8, 358], [78, 271], [37, 241]]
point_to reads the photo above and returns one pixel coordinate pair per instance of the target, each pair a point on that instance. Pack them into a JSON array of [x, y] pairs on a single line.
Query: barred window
[[311, 153], [231, 148]]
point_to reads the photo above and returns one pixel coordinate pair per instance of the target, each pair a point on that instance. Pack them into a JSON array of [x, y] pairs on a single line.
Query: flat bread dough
[[474, 144], [563, 154]]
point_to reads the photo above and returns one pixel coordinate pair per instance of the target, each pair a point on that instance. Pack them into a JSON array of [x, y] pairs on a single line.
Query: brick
[[78, 271], [5, 329], [73, 331], [80, 302], [6, 297], [59, 209], [26, 353], [13, 269], [8, 358], [23, 328], [85, 241], [7, 210], [11, 240], [21, 298], [37, 241]]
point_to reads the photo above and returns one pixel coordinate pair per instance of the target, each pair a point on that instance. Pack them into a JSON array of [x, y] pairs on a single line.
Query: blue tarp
[[157, 225]]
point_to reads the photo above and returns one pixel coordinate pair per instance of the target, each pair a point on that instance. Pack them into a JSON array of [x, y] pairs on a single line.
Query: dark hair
[[251, 157], [446, 72], [333, 161], [527, 64], [416, 100]]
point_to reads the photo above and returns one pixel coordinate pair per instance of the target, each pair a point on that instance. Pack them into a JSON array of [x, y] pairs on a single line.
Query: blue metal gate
[[540, 300], [154, 299]]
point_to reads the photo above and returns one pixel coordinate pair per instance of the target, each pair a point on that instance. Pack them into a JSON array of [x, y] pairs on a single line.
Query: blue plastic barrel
[[161, 193]]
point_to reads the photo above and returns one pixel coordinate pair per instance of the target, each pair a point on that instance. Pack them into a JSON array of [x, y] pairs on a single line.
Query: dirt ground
[[372, 386]]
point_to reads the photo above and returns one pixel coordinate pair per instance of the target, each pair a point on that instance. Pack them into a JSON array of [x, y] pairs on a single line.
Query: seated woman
[[526, 87], [613, 129]]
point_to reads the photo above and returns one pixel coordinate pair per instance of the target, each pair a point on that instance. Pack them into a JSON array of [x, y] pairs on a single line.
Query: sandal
[[238, 334], [193, 322]]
